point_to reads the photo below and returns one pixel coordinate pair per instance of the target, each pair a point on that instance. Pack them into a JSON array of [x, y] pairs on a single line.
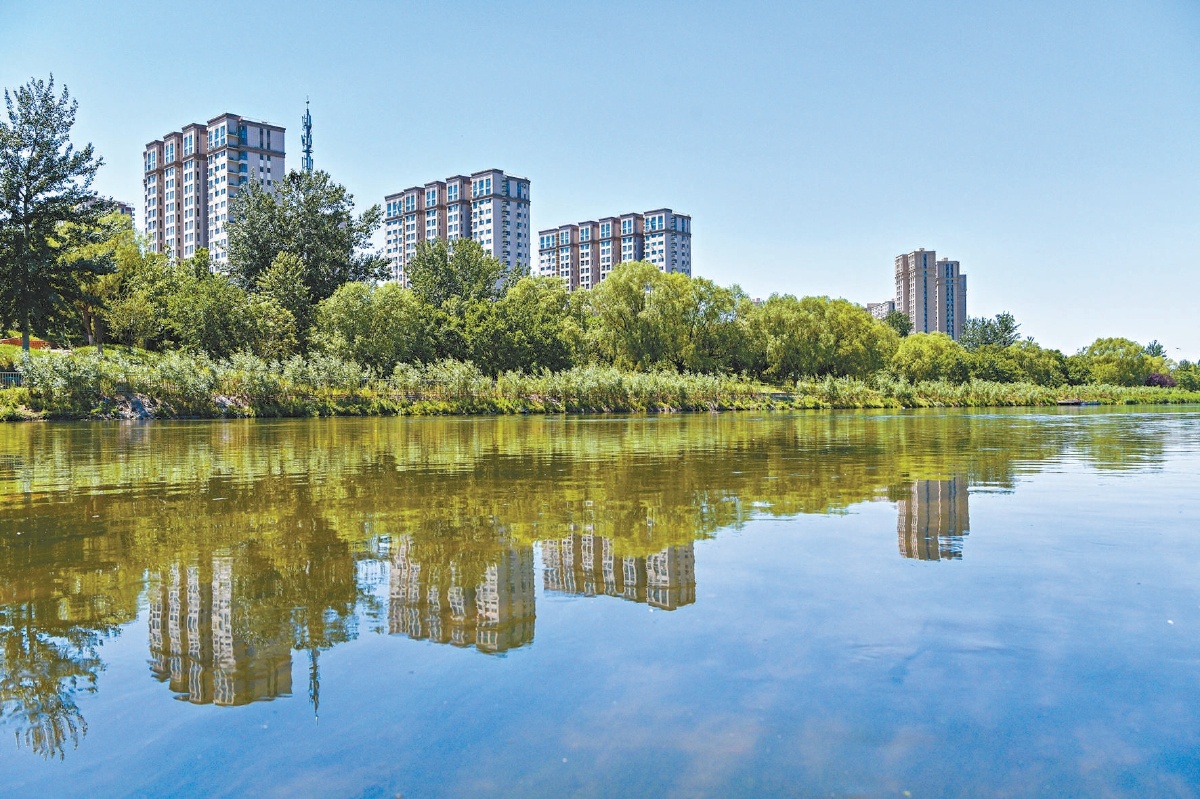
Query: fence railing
[[10, 379]]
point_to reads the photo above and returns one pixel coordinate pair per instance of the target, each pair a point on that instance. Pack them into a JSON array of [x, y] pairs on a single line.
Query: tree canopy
[[310, 217], [45, 183], [999, 331]]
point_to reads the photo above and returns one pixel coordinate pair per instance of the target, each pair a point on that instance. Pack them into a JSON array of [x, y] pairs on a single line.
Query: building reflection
[[933, 519], [195, 648], [492, 612], [588, 565]]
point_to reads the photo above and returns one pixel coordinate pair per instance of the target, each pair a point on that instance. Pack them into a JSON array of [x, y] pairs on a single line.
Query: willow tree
[[45, 184]]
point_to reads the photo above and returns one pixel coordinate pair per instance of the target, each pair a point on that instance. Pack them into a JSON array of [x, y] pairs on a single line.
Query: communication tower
[[306, 137]]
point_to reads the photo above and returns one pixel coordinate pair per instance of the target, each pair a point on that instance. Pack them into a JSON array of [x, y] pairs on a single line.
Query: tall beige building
[[585, 253], [489, 206], [190, 176], [933, 293]]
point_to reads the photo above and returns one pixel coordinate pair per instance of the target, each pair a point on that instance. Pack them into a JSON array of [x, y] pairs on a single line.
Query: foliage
[[45, 183], [817, 336], [309, 217], [1023, 362], [283, 284], [377, 326], [1000, 331], [931, 356], [529, 330], [461, 269], [1160, 380], [1187, 375], [899, 321], [1121, 362]]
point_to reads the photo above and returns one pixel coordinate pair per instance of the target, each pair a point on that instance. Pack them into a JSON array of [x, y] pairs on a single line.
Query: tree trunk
[[25, 334]]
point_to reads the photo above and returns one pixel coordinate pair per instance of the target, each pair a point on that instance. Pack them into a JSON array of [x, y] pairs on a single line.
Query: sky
[[1050, 146]]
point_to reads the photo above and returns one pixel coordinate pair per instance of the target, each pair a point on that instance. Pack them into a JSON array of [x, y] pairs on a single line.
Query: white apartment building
[[191, 175], [490, 207], [584, 254]]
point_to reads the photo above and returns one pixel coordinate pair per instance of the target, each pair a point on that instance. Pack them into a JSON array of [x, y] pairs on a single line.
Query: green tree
[[533, 328], [631, 308], [283, 283], [440, 271], [136, 301], [45, 183], [899, 321], [1120, 362], [931, 356], [1187, 375], [1155, 349], [310, 217], [207, 312], [109, 245], [714, 339], [1000, 331], [817, 336], [1024, 361], [377, 326]]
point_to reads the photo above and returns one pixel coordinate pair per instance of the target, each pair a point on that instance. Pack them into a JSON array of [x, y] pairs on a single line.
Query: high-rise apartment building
[[191, 175], [933, 293], [490, 207], [585, 253]]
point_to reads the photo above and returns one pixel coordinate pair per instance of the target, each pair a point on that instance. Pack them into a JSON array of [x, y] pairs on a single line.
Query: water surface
[[943, 603]]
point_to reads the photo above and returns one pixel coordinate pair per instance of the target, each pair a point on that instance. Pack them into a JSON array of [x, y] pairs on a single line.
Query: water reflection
[[195, 649], [492, 613], [588, 565], [247, 542], [933, 518]]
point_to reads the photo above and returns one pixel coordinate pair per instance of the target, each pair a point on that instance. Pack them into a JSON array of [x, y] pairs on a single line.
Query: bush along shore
[[126, 384]]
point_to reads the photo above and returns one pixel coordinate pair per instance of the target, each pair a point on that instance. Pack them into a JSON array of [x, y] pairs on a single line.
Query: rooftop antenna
[[306, 137]]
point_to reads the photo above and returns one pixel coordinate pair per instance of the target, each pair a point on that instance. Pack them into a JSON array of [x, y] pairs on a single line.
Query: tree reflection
[[249, 539], [40, 675]]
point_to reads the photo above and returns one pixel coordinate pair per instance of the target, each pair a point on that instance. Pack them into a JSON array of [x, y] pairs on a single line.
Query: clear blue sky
[[1051, 147]]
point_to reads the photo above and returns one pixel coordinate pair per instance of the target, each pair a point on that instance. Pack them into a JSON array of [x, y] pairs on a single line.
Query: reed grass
[[132, 383]]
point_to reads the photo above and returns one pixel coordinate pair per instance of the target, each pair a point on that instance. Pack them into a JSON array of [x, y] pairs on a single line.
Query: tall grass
[[126, 383]]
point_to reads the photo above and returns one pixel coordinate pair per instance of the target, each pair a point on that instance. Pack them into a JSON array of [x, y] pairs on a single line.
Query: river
[[892, 603]]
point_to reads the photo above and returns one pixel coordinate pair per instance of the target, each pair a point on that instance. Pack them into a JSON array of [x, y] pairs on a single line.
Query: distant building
[[933, 518], [880, 310], [933, 293], [491, 207], [190, 176], [583, 254]]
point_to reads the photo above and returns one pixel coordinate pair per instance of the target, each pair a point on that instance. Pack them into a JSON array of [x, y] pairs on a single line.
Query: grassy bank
[[136, 384]]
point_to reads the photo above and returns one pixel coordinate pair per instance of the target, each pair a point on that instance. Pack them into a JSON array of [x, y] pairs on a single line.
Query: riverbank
[[179, 386]]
